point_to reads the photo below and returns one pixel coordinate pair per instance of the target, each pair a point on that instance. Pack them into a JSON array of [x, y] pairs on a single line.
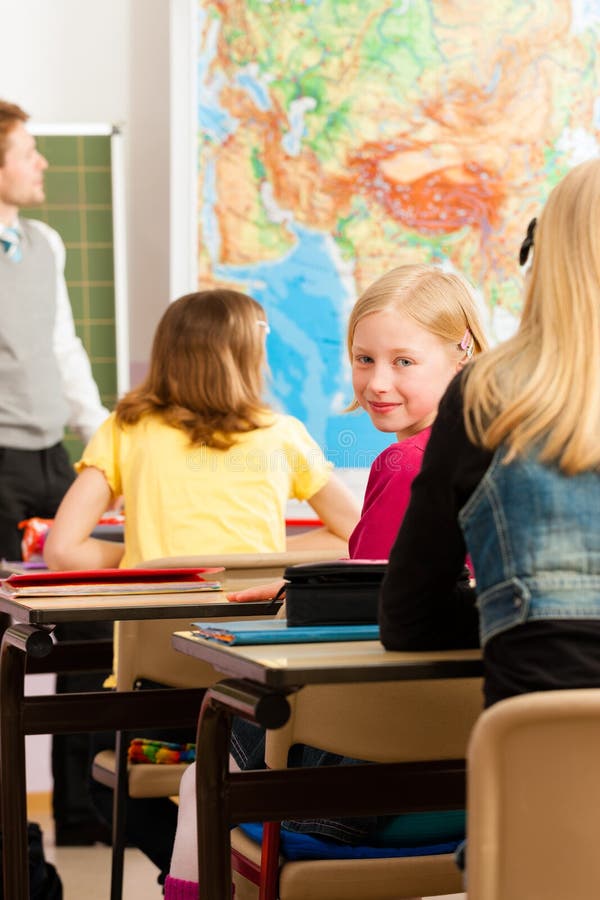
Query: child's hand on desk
[[262, 592]]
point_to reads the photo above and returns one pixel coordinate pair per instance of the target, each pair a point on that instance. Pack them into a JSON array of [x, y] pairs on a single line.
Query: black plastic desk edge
[[25, 615]]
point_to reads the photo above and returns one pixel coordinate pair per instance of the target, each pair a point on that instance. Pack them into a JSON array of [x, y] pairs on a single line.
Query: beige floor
[[85, 871]]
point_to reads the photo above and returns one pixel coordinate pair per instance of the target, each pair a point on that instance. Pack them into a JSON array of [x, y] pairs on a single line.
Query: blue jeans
[[248, 750]]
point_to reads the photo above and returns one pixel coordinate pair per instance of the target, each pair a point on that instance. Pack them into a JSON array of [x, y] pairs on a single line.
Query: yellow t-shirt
[[182, 500]]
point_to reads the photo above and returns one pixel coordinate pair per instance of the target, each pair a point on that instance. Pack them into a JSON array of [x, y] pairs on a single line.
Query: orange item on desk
[[34, 536], [36, 529]]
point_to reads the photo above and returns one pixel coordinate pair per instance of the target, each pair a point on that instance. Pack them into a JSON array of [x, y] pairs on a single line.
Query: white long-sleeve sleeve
[[86, 411]]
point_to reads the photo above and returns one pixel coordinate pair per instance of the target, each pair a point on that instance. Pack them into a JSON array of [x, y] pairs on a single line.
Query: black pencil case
[[340, 592]]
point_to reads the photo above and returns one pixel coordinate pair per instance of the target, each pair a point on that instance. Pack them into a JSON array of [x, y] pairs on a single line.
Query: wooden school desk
[[30, 637], [259, 679]]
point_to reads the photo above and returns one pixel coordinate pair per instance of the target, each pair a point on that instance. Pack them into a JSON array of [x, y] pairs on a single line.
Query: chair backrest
[[534, 798], [246, 569], [381, 722], [144, 651], [144, 647]]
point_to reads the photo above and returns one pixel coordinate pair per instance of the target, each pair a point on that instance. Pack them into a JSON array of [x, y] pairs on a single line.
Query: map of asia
[[340, 138]]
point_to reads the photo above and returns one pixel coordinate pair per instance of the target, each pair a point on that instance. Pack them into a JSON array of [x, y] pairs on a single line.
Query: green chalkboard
[[81, 205]]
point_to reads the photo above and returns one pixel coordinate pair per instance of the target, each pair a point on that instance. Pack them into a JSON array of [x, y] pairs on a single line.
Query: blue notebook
[[277, 631]]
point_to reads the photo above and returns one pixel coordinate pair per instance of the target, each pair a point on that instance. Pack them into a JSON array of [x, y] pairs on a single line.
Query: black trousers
[[32, 483], [72, 754]]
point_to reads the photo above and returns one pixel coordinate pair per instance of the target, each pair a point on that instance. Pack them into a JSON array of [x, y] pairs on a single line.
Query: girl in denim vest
[[514, 462]]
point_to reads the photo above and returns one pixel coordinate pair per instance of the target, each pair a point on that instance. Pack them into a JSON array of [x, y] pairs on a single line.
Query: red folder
[[108, 576]]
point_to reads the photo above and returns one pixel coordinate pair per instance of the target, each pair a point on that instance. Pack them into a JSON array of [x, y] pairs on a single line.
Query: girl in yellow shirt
[[204, 466]]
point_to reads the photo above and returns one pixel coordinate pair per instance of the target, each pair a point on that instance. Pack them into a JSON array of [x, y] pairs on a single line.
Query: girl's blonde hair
[[540, 390], [441, 302], [206, 369]]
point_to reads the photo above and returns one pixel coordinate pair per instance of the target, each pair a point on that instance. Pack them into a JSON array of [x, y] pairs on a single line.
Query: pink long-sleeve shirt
[[386, 497]]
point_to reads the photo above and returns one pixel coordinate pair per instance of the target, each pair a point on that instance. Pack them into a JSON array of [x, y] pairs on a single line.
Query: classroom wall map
[[340, 138]]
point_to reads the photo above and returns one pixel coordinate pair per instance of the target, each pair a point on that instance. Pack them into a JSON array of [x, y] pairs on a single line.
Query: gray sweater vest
[[33, 410]]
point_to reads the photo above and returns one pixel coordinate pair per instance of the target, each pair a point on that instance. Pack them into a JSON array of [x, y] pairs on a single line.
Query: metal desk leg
[[221, 701], [17, 642], [214, 849], [120, 797]]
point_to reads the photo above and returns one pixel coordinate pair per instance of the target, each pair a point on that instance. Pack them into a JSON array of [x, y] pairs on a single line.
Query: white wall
[[63, 60], [75, 61]]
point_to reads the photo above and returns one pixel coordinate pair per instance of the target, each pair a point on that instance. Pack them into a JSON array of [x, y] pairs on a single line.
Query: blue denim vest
[[533, 535]]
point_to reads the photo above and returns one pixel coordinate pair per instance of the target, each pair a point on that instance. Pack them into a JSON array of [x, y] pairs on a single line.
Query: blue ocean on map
[[305, 298]]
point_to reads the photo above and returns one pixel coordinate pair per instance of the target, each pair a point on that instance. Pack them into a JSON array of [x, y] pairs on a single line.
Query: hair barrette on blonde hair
[[265, 325], [527, 243], [468, 344]]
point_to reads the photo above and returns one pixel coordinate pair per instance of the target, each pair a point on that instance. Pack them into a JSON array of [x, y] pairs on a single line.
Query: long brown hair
[[206, 369], [540, 390]]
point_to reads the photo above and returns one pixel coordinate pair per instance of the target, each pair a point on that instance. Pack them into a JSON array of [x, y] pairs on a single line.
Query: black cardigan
[[426, 602]]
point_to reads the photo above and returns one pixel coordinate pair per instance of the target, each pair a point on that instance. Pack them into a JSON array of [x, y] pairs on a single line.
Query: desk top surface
[[290, 665], [241, 571], [55, 610]]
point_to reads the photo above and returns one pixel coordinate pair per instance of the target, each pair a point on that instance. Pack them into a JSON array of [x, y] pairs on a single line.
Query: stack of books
[[108, 582], [277, 631]]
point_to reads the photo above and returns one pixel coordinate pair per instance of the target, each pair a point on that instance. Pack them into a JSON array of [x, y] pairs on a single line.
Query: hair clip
[[527, 243], [467, 344], [264, 325]]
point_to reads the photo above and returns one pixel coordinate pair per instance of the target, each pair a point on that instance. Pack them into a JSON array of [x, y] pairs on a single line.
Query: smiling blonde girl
[[408, 335]]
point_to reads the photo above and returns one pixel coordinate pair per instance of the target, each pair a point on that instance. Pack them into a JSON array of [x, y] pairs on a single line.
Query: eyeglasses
[[527, 243]]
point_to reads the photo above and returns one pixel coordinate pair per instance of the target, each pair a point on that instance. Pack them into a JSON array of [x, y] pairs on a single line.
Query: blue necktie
[[10, 241]]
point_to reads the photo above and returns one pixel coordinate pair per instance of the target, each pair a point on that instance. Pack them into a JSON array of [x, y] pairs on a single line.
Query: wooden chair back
[[145, 646], [534, 798], [379, 722]]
